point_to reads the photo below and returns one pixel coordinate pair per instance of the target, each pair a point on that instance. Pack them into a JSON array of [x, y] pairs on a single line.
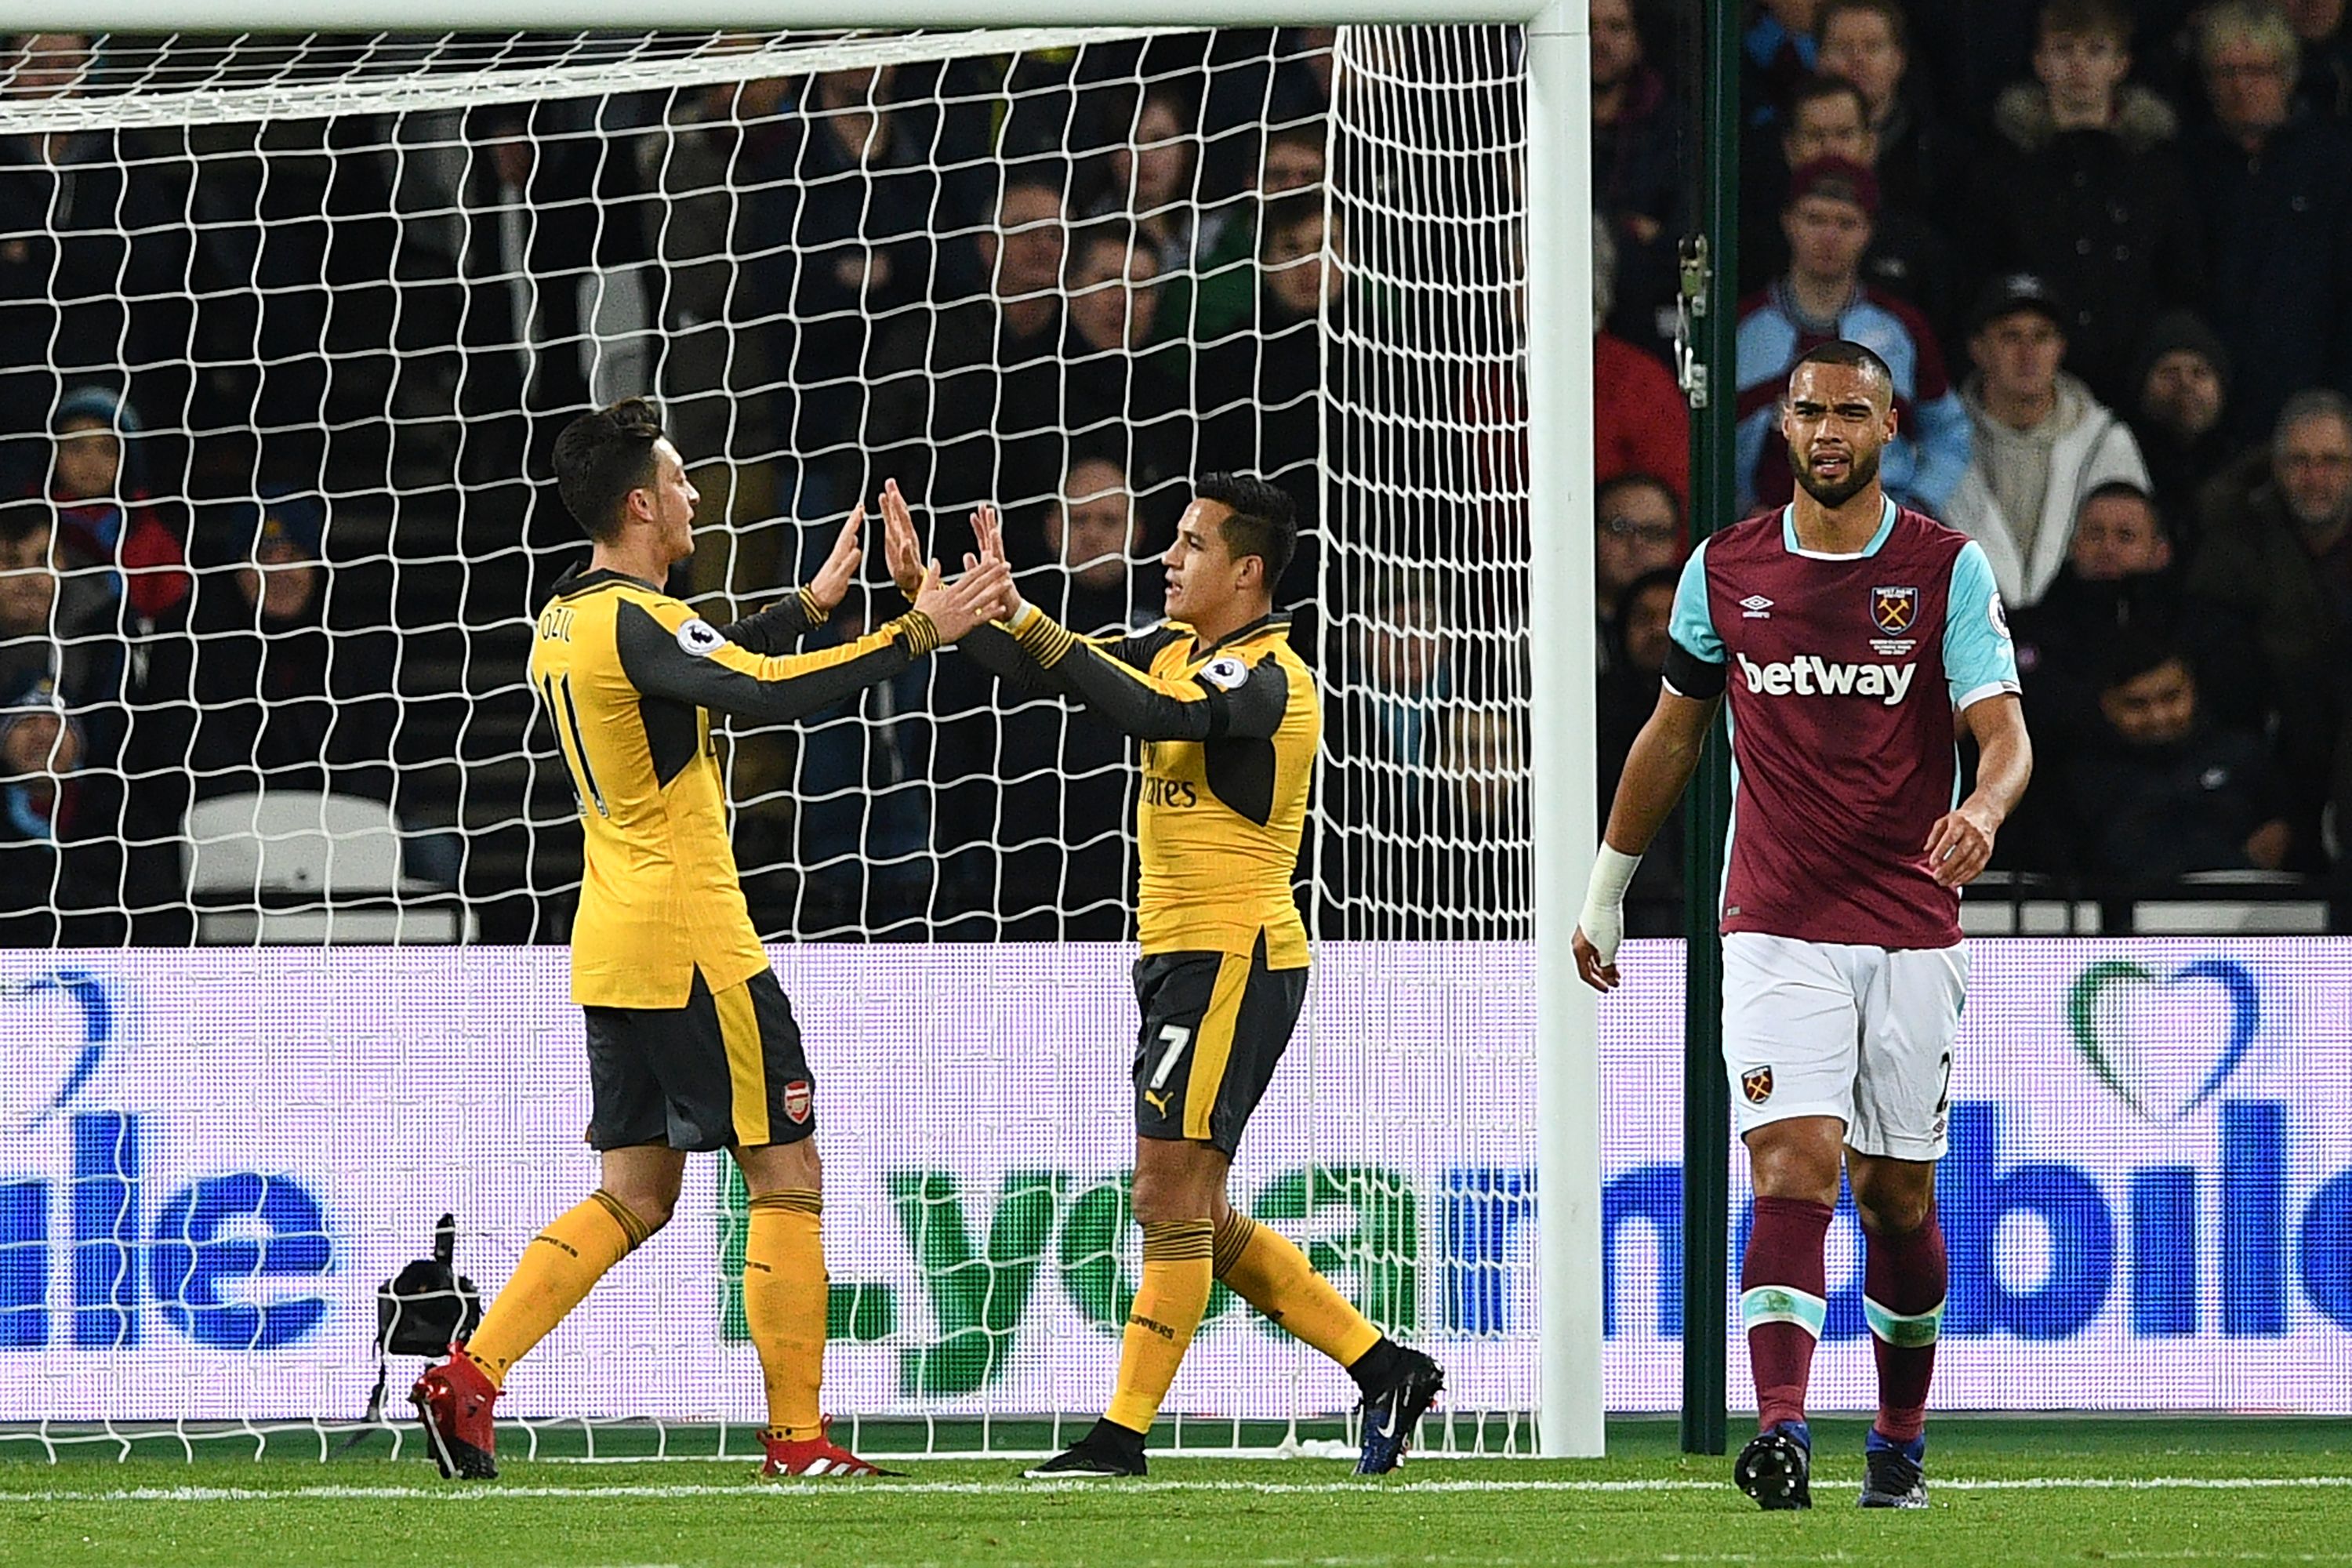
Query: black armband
[[1693, 676]]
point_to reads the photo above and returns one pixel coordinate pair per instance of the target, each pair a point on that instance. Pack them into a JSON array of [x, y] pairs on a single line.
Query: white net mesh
[[286, 328]]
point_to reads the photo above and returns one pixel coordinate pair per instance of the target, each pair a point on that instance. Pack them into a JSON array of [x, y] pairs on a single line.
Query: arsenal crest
[[800, 1097], [1892, 610], [1756, 1083]]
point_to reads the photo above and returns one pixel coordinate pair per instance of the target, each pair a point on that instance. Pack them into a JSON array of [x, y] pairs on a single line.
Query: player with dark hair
[[691, 1045], [1230, 723], [1854, 639]]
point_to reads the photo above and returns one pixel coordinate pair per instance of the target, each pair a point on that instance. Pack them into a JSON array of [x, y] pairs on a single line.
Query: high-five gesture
[[977, 597], [831, 584], [987, 581], [900, 549], [988, 530]]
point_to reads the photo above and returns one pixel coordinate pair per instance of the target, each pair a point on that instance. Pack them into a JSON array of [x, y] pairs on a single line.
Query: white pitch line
[[494, 1493]]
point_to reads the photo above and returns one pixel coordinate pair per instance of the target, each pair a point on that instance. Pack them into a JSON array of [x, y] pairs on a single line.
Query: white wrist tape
[[1604, 901]]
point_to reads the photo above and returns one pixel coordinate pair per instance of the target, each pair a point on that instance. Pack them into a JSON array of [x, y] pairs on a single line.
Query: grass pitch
[[2004, 1492]]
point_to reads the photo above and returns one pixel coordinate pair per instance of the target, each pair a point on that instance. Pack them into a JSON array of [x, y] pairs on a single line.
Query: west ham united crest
[[1892, 610], [1756, 1083]]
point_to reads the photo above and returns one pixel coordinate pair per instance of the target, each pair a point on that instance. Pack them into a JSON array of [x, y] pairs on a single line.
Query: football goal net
[[287, 325]]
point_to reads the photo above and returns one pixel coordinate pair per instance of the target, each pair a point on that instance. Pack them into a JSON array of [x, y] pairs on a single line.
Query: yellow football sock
[[784, 1302], [1169, 1306], [1271, 1274], [553, 1276]]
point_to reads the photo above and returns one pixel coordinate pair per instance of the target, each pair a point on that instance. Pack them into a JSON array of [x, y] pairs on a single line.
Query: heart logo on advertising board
[[2164, 1046], [55, 1031]]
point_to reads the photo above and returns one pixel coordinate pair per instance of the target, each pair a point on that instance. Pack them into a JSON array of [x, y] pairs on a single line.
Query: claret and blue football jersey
[[1844, 675]]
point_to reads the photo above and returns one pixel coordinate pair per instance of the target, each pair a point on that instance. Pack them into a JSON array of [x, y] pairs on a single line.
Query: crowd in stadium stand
[[2106, 249], [1061, 282]]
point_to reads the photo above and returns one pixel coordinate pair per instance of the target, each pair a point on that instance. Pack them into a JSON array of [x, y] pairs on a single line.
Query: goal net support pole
[[1562, 719]]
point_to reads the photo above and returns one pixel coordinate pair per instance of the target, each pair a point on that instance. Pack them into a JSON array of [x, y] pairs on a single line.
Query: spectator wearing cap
[[2084, 187], [2042, 443], [1830, 118], [1827, 222], [105, 517], [2275, 184], [2180, 385]]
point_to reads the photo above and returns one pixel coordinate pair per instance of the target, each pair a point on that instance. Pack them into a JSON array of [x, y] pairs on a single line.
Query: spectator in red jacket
[[105, 517], [1640, 422]]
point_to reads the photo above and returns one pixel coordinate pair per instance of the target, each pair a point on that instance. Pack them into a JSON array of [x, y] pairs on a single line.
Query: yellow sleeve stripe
[[809, 608], [916, 630], [784, 666], [1043, 639]]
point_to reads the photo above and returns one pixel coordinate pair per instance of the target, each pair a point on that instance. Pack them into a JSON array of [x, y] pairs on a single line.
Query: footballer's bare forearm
[[1657, 770], [2004, 755]]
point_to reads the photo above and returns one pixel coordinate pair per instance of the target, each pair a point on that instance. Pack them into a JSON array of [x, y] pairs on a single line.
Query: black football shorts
[[1214, 1028], [724, 1069]]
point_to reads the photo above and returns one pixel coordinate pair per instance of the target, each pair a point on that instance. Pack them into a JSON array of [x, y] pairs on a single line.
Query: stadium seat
[[300, 866]]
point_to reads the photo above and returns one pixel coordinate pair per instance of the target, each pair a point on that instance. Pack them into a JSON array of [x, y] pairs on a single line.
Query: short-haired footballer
[[691, 1043], [1854, 639], [1230, 720]]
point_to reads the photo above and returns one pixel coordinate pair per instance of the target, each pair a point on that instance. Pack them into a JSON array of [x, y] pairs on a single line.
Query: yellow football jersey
[[630, 677], [1229, 736]]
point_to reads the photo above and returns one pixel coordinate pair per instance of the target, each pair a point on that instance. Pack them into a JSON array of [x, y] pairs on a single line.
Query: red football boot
[[453, 1401], [817, 1455]]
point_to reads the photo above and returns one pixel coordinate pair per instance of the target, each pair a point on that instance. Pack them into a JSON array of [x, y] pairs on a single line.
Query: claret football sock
[[1169, 1305], [784, 1303], [554, 1275], [1903, 1281], [1784, 1285], [1270, 1273]]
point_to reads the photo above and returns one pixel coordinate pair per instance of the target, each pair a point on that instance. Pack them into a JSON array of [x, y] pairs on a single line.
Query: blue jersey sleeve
[[1979, 660], [1692, 624]]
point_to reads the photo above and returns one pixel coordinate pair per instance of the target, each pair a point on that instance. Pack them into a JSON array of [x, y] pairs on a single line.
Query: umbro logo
[[1756, 607]]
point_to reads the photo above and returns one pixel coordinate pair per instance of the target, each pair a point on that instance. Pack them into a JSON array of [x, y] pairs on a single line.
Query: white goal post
[[1560, 655]]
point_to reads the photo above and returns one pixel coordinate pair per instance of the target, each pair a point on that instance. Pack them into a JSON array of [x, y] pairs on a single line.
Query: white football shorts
[[1863, 1034]]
